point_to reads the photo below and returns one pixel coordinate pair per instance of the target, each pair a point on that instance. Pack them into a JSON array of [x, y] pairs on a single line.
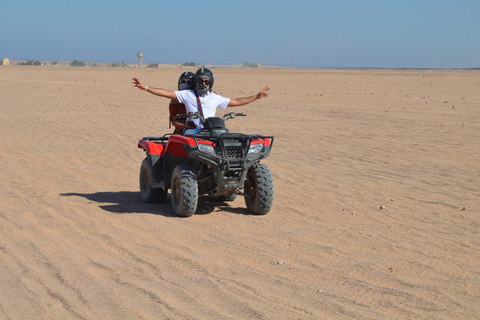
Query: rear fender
[[154, 152], [152, 147]]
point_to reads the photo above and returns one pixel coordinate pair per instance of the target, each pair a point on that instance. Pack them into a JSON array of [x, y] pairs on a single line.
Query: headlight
[[255, 148], [206, 148]]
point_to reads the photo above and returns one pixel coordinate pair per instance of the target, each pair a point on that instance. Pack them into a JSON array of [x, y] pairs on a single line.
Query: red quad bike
[[212, 162]]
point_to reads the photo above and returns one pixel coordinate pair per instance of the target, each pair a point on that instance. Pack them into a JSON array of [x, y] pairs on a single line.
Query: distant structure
[[154, 65], [251, 65], [5, 62], [140, 55]]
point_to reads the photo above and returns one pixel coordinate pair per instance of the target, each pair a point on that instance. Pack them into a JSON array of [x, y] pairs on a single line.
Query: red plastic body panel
[[176, 148], [181, 139], [176, 143], [152, 147], [265, 141]]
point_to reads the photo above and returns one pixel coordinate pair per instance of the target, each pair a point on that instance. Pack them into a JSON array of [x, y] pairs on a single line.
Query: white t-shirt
[[210, 102]]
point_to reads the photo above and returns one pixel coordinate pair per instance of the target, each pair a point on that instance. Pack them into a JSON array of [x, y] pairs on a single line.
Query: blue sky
[[301, 33]]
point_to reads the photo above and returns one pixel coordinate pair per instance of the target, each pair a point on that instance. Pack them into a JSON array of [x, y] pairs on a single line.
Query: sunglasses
[[204, 81]]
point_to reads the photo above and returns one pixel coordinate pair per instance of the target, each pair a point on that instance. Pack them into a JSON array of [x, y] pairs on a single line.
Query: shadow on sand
[[128, 202]]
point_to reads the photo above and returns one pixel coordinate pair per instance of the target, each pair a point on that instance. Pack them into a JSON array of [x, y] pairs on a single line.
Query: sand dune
[[77, 242]]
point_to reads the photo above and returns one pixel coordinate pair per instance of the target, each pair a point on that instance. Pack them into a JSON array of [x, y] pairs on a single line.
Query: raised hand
[[138, 84], [263, 93]]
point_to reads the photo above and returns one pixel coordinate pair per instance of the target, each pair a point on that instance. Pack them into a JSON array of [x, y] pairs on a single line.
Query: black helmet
[[186, 80], [203, 74]]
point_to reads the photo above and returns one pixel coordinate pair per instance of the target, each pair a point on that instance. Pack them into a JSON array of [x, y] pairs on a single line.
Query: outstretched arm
[[246, 100], [156, 91]]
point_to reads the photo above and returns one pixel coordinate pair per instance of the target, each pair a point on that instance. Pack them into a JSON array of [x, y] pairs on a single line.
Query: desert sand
[[376, 212]]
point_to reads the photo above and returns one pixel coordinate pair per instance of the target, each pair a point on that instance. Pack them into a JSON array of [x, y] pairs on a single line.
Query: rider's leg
[[191, 131]]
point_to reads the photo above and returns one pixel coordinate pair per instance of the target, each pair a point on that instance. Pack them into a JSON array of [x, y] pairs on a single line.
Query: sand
[[376, 212]]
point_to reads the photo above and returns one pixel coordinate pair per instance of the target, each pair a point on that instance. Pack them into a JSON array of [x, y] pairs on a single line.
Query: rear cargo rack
[[163, 138]]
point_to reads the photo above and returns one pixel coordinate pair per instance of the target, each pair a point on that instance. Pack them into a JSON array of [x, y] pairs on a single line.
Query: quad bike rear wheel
[[147, 192], [258, 189], [184, 190]]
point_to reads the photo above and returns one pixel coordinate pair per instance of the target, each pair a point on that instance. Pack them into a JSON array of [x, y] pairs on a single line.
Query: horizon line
[[146, 64]]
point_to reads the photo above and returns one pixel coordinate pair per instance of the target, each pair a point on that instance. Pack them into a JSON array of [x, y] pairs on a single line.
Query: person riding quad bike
[[201, 98], [185, 82], [208, 160]]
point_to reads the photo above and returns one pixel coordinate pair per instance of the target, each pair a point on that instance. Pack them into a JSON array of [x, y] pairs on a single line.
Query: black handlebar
[[232, 115], [196, 115]]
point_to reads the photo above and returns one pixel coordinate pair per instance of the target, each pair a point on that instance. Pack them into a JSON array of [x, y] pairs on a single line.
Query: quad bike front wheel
[[147, 192], [258, 189], [184, 190]]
